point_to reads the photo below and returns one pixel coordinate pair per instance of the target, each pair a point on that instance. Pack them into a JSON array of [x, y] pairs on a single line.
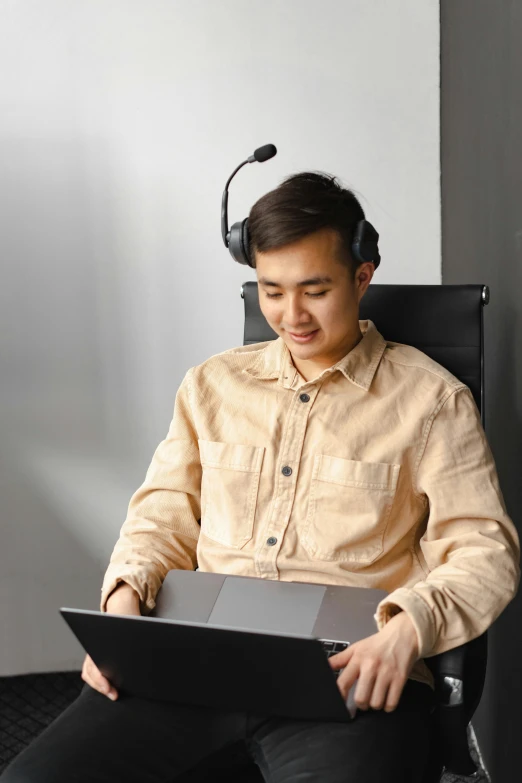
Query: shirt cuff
[[147, 587], [418, 611]]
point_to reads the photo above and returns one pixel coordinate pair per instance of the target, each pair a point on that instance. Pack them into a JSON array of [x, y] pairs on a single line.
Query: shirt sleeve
[[161, 529], [470, 546]]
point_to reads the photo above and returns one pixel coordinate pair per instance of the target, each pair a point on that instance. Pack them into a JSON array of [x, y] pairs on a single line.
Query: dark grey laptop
[[233, 643]]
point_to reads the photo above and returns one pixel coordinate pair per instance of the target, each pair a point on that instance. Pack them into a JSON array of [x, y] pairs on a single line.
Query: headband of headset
[[365, 239]]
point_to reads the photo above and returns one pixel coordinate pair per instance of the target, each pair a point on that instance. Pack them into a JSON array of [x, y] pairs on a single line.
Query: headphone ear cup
[[236, 243], [239, 243], [246, 242], [365, 243]]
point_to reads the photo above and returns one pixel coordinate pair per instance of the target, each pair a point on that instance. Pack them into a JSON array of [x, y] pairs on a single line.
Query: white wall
[[120, 123]]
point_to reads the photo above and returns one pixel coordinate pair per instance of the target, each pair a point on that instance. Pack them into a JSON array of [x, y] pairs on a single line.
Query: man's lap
[[377, 746], [155, 742], [132, 739]]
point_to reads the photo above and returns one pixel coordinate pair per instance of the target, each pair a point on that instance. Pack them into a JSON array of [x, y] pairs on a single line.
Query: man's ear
[[363, 278]]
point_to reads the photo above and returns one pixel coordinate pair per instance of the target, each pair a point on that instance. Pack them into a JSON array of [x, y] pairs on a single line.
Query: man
[[327, 455]]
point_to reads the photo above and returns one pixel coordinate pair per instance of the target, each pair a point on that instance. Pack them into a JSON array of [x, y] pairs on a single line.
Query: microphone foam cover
[[265, 153]]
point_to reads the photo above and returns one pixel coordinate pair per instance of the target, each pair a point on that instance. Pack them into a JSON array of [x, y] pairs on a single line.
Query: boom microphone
[[237, 238]]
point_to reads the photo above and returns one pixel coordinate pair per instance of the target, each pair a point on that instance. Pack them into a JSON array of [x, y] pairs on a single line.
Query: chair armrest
[[466, 663], [459, 676]]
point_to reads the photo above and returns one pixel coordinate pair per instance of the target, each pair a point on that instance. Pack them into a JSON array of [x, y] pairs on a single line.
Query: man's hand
[[381, 664], [122, 600]]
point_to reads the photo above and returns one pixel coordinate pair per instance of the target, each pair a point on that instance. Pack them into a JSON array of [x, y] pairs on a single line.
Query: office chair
[[446, 323]]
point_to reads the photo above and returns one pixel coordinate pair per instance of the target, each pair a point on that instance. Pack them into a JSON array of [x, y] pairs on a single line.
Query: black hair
[[302, 204]]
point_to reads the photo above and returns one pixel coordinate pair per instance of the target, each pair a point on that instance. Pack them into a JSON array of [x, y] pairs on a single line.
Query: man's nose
[[295, 313]]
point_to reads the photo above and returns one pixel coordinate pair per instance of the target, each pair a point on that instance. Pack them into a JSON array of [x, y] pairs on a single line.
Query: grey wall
[[120, 122], [481, 133]]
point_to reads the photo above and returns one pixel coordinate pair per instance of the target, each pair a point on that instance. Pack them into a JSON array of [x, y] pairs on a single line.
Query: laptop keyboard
[[332, 647]]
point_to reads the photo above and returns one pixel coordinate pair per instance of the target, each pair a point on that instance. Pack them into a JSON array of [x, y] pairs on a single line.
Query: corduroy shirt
[[376, 473]]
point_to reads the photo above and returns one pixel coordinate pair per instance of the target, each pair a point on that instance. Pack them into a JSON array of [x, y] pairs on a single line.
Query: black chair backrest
[[443, 321]]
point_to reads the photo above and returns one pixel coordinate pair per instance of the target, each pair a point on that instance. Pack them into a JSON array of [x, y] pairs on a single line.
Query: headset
[[365, 239]]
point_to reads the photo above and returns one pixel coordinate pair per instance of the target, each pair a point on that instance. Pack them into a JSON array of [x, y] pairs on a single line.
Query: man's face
[[329, 307]]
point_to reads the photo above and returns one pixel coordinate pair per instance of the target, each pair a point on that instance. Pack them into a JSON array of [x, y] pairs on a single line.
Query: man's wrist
[[402, 625], [123, 595]]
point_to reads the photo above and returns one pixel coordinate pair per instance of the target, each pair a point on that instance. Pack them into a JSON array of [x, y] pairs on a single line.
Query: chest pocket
[[349, 507], [229, 486]]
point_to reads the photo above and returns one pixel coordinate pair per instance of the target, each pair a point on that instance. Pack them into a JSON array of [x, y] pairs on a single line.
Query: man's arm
[[161, 529], [470, 547]]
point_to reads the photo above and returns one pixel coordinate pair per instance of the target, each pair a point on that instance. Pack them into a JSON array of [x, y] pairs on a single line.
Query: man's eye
[[273, 296]]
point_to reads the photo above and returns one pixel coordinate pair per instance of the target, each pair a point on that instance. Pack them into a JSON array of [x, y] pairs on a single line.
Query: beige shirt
[[376, 473]]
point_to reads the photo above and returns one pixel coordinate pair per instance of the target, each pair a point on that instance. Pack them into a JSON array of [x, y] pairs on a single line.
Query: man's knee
[[33, 768], [13, 774]]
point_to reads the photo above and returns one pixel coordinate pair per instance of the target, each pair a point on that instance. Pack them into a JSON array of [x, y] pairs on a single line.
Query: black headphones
[[365, 240]]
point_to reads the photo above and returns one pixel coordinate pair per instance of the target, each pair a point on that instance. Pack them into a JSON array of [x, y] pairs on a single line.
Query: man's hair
[[302, 204]]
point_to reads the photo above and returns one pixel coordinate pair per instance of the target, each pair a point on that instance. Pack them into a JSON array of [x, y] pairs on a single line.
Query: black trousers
[[135, 740]]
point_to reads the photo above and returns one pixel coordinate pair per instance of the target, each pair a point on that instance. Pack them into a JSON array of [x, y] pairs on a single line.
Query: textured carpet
[[28, 704], [31, 702]]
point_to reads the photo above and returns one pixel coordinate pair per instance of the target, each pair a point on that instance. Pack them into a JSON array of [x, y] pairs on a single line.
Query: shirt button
[[286, 471], [304, 398], [271, 541]]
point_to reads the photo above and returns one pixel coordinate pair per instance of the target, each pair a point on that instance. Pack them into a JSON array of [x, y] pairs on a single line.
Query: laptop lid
[[193, 663]]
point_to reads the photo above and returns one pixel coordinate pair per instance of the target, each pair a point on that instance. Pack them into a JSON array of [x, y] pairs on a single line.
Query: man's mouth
[[302, 336]]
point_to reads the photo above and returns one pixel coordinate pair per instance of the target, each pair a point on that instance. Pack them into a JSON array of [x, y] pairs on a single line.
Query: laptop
[[233, 642]]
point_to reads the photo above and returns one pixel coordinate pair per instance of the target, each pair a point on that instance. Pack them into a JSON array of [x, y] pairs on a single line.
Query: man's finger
[[103, 685], [96, 680], [341, 659], [347, 678], [364, 689], [380, 692], [394, 694], [97, 677]]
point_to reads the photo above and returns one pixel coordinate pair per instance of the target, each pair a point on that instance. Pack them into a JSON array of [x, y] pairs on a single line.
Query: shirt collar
[[358, 366]]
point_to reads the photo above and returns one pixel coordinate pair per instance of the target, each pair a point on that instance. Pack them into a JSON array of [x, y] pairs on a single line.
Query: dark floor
[[30, 702]]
